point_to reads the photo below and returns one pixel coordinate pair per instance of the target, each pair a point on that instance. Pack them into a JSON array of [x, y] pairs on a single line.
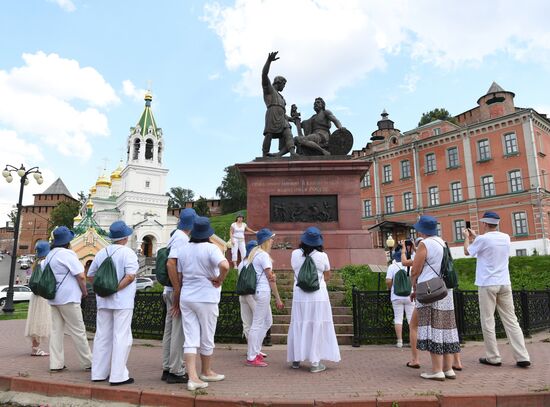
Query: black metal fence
[[150, 313], [373, 315]]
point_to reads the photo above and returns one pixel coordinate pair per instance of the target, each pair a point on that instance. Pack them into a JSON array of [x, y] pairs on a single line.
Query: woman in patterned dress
[[437, 331]]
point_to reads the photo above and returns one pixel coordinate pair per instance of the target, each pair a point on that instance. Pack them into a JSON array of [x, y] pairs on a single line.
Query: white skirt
[[39, 318], [311, 335]]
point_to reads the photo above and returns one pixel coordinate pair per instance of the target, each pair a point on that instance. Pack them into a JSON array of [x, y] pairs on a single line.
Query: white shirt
[[126, 262], [199, 264], [262, 261], [175, 243], [492, 251], [65, 266], [390, 274], [319, 258], [434, 247], [238, 232]]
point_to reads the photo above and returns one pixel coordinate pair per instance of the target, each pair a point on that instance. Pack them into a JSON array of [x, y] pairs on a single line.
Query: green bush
[[230, 281], [531, 273]]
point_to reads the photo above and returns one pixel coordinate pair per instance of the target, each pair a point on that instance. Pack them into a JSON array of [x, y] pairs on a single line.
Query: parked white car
[[144, 283], [21, 293]]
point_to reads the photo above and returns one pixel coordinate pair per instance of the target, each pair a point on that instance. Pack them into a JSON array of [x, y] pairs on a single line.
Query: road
[[5, 271]]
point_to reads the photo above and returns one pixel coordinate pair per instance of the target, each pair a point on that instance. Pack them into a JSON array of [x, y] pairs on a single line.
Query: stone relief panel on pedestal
[[303, 208]]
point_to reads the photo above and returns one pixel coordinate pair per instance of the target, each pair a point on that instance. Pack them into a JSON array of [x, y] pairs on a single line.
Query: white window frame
[[491, 186], [408, 203], [389, 201], [457, 163], [515, 184], [429, 163], [367, 208], [457, 230], [456, 193], [521, 218], [514, 148], [387, 173], [408, 167], [486, 155], [433, 196]]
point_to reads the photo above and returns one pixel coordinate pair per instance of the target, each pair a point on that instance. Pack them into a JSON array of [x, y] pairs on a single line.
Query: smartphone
[[468, 224]]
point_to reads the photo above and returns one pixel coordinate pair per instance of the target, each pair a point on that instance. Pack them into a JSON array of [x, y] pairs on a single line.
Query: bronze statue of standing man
[[276, 120]]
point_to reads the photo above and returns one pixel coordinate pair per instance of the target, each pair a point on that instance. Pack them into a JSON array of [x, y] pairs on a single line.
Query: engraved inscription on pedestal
[[303, 208]]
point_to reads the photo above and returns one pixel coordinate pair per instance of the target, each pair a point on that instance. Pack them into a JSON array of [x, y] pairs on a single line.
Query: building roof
[[147, 120], [495, 87], [57, 188]]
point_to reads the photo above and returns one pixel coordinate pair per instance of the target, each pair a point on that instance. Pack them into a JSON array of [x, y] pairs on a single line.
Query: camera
[[408, 242]]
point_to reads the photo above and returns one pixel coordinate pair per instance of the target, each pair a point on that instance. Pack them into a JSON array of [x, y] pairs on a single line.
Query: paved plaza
[[365, 374]]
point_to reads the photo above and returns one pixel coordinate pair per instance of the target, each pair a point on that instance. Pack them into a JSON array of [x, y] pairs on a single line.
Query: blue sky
[[73, 74]]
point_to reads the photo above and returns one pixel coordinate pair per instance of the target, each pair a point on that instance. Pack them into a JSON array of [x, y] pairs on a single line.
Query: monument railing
[[150, 313], [373, 315]]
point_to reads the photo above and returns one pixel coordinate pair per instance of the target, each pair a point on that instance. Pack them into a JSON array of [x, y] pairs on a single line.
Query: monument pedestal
[[287, 195]]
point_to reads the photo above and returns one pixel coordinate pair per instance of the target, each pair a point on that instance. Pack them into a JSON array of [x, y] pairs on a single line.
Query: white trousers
[[199, 321], [500, 297], [112, 344], [248, 304], [172, 340], [261, 322], [68, 317], [399, 306], [239, 245]]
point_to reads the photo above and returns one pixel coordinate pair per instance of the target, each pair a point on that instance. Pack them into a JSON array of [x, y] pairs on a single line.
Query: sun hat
[[397, 254], [201, 228], [119, 230], [312, 237], [187, 218], [263, 235], [42, 248], [61, 236], [491, 218], [250, 245], [426, 224]]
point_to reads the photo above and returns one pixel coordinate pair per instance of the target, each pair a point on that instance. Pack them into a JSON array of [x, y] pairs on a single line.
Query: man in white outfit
[[113, 336], [173, 370], [65, 307], [492, 250]]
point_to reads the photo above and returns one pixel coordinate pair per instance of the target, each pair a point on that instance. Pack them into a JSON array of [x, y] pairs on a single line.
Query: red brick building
[[35, 219], [494, 158]]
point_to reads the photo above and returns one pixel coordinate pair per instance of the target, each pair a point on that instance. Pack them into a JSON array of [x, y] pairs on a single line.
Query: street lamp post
[[24, 180]]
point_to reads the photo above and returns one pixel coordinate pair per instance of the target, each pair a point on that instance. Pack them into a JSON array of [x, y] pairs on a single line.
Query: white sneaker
[[319, 368], [399, 343], [439, 376]]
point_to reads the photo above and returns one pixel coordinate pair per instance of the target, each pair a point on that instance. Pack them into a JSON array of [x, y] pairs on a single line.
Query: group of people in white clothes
[[311, 334], [433, 326]]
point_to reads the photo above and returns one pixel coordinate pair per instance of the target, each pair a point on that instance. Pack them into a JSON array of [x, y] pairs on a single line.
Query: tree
[[82, 198], [63, 214], [178, 196], [436, 114], [232, 191], [201, 207]]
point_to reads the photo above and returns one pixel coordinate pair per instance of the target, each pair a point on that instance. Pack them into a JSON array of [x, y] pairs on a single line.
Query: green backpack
[[447, 270], [308, 280], [47, 284], [161, 270], [35, 278], [246, 284], [402, 283], [106, 279]]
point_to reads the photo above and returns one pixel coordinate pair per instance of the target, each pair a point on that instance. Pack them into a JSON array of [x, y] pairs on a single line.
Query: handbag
[[431, 291]]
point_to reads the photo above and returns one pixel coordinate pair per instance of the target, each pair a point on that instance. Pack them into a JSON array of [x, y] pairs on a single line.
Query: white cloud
[[130, 90], [16, 151], [214, 76], [409, 82], [66, 5], [328, 44], [56, 100]]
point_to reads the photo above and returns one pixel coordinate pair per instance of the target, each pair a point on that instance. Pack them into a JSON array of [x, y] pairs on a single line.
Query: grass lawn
[[20, 312]]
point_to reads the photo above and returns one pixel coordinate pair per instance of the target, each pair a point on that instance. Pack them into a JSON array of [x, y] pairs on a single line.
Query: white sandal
[[39, 352]]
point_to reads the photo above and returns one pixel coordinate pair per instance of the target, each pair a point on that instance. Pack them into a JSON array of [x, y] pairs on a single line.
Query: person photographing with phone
[[492, 251]]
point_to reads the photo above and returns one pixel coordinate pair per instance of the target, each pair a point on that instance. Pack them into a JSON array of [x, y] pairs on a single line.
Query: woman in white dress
[[236, 234], [38, 323], [311, 335]]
